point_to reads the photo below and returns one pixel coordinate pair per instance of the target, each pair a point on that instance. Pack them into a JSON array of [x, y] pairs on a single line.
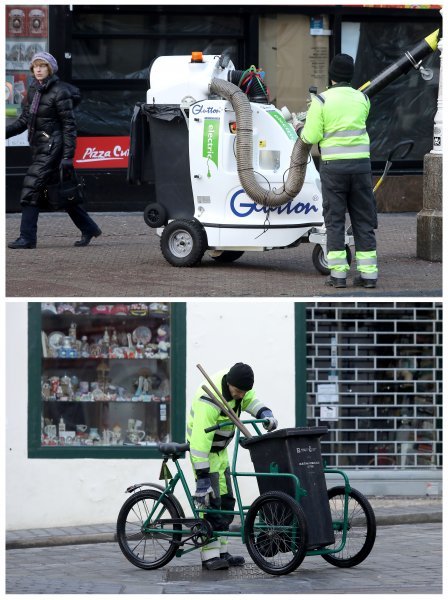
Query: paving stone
[[127, 256]]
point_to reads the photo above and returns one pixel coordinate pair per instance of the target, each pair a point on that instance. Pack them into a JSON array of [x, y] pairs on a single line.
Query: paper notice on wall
[[327, 393], [329, 413]]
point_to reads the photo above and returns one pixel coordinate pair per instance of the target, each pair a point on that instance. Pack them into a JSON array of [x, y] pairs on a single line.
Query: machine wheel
[[147, 550], [183, 243], [155, 215], [320, 260], [276, 533], [227, 256], [361, 531]]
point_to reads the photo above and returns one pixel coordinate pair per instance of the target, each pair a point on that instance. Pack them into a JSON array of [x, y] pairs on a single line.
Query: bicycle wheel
[[276, 533], [361, 532], [147, 550]]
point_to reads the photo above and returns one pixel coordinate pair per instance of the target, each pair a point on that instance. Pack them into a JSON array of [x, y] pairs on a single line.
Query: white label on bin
[[307, 456]]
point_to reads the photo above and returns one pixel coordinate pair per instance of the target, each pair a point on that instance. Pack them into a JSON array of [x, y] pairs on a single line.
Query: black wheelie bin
[[296, 451]]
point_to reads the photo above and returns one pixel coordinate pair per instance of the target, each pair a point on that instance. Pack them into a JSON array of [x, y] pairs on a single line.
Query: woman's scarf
[[40, 88]]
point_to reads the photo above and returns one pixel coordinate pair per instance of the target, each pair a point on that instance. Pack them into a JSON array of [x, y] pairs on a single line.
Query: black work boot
[[86, 237], [337, 282], [21, 244], [233, 561], [215, 564], [361, 281]]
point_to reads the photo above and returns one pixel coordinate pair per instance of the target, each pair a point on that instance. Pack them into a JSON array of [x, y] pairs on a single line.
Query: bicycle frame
[[198, 513]]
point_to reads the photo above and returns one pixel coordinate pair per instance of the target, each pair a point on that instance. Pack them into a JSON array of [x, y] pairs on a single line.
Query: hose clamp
[[412, 60]]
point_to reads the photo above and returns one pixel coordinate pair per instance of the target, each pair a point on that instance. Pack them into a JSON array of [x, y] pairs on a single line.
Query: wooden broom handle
[[241, 426]]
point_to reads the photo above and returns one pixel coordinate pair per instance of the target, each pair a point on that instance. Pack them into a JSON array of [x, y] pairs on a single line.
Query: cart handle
[[408, 143], [225, 423]]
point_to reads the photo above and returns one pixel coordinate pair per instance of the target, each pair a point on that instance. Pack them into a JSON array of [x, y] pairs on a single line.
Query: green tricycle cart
[[295, 515]]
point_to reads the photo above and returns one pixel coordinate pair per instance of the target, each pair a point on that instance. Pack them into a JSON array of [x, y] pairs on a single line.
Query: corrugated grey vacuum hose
[[244, 151]]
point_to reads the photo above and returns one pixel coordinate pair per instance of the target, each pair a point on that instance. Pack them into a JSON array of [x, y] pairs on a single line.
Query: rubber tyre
[[362, 528], [320, 260], [276, 509], [183, 243], [228, 256], [155, 215], [139, 548]]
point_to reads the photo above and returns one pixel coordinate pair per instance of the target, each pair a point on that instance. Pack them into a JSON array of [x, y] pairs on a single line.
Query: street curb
[[102, 538]]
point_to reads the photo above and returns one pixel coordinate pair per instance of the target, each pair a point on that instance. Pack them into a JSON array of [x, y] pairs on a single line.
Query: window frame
[[178, 395]]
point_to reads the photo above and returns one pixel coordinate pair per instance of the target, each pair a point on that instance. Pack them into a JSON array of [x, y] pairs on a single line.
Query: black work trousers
[[347, 187], [221, 501], [78, 214]]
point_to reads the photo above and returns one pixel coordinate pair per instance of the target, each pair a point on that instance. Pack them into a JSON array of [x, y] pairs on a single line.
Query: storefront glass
[[26, 33], [374, 378], [106, 374]]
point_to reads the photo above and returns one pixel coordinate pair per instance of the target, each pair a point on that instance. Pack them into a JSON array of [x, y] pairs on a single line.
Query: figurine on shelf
[[46, 391], [85, 348], [72, 333], [163, 342], [116, 435], [151, 351], [49, 308], [65, 308], [139, 350]]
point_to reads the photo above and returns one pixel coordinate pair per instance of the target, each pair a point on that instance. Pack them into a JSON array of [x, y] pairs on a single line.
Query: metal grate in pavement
[[197, 573]]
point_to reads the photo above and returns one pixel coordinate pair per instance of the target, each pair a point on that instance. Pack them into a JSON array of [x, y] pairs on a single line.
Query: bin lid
[[284, 433]]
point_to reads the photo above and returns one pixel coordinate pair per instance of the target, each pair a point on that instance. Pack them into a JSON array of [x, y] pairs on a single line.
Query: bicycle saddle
[[173, 450]]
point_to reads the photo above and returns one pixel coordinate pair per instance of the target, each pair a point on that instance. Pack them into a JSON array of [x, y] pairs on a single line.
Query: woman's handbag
[[68, 192]]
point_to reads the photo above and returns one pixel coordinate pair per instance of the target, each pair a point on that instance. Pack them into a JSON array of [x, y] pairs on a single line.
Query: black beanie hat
[[241, 376], [341, 68]]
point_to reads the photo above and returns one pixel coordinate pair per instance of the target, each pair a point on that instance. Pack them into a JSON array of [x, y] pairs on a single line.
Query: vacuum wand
[[410, 59], [224, 404]]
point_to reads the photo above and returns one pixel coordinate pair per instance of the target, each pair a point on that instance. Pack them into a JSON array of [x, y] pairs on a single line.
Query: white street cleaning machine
[[230, 173]]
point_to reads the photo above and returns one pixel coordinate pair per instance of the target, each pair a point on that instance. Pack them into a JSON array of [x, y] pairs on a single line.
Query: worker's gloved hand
[[297, 124], [203, 492], [270, 422]]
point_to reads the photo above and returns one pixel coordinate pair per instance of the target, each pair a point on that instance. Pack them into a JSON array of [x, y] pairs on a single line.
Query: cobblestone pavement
[[406, 559], [126, 261]]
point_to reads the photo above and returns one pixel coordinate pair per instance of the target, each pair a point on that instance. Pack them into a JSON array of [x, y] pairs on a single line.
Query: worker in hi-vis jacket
[[336, 120], [209, 458]]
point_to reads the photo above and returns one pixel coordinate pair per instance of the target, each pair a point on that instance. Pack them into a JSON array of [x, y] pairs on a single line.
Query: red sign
[[102, 152]]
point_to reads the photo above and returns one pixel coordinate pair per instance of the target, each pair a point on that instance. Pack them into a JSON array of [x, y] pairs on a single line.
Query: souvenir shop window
[[107, 375], [26, 34]]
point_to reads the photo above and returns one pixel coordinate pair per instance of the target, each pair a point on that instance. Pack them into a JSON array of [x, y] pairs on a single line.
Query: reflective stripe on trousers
[[337, 263], [366, 263]]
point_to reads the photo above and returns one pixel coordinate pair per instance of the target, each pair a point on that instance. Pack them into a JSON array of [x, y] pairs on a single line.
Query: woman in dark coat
[[48, 116]]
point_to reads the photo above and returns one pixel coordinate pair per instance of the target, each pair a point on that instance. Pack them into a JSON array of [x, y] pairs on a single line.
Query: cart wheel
[[227, 256], [183, 243], [361, 530], [276, 533], [155, 215], [147, 550], [320, 260]]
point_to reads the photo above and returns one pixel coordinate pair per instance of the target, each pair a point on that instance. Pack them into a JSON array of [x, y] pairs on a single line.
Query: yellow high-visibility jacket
[[204, 414], [336, 120]]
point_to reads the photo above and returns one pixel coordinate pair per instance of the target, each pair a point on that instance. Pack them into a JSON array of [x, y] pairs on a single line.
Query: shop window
[[384, 389], [112, 52], [405, 109], [105, 379], [26, 33]]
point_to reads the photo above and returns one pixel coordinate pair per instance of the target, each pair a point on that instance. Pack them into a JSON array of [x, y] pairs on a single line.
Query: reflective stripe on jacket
[[336, 120], [204, 414]]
